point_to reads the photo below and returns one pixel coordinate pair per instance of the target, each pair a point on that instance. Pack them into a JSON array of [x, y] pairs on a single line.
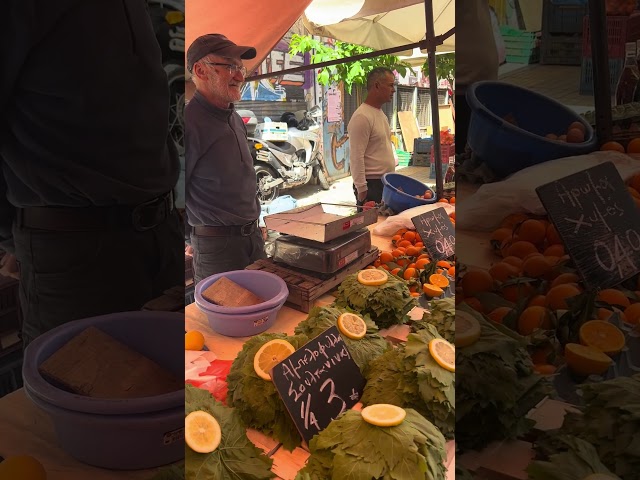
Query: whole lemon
[[193, 340], [22, 467]]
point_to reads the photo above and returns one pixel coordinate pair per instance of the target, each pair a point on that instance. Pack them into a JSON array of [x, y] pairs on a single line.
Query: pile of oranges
[[632, 147], [410, 262], [538, 286]]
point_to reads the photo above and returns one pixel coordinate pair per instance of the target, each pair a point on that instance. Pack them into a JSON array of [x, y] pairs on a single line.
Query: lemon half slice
[[467, 329], [202, 432], [269, 355], [372, 277], [352, 326], [443, 353], [383, 415]]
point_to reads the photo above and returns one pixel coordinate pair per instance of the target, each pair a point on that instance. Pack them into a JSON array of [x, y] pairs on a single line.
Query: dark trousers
[[213, 255], [374, 191], [67, 276], [463, 118]]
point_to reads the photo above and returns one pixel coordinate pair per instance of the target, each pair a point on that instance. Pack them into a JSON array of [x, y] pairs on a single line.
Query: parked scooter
[[297, 161]]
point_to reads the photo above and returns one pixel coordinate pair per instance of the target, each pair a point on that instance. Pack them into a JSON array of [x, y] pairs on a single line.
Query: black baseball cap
[[218, 44]]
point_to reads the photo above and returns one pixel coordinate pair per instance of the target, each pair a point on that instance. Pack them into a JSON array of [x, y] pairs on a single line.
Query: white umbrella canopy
[[382, 24]]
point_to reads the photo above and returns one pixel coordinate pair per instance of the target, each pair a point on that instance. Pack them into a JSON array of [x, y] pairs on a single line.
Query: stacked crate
[[421, 156], [620, 30], [562, 31], [521, 46]]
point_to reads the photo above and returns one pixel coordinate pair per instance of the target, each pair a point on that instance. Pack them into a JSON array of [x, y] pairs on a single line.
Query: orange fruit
[[602, 335], [452, 200], [632, 312], [474, 303], [613, 146], [533, 231], [396, 238], [439, 280], [541, 354], [476, 281], [385, 266], [503, 271], [565, 278], [386, 257], [501, 234], [452, 272], [552, 235], [514, 293], [404, 243], [555, 250], [634, 193], [539, 300], [421, 263], [513, 219], [584, 360], [396, 270], [544, 369], [558, 295], [533, 318], [515, 261], [499, 313], [443, 200], [443, 264], [536, 266], [419, 245], [409, 235], [401, 232], [397, 253], [412, 251], [410, 273], [634, 146], [521, 249], [432, 290], [634, 182], [612, 296], [605, 314]]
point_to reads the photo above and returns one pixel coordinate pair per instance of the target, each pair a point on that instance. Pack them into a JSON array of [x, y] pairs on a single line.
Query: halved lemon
[[202, 432], [443, 353], [352, 326], [467, 329], [383, 415], [269, 355], [585, 361], [372, 277], [602, 335]]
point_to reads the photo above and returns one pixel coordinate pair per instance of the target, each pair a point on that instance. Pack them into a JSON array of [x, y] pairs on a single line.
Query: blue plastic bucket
[[400, 201], [121, 434], [507, 148]]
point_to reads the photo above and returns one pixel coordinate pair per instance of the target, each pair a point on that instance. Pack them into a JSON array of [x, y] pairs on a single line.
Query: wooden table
[[27, 430], [285, 464]]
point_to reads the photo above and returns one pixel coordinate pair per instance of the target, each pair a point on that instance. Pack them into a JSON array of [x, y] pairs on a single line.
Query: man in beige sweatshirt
[[371, 152]]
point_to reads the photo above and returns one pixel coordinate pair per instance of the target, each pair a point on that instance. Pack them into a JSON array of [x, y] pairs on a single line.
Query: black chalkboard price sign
[[598, 223], [318, 382], [437, 232]]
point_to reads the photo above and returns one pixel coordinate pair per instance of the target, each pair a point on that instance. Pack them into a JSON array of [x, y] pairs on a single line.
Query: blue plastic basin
[[507, 148], [250, 320], [121, 434], [400, 201]]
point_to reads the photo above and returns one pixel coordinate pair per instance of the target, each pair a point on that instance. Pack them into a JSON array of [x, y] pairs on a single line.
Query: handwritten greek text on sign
[[437, 233], [598, 223], [318, 382]]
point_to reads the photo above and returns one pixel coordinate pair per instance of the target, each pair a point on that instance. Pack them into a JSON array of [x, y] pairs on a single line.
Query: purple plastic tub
[[244, 321], [128, 434]]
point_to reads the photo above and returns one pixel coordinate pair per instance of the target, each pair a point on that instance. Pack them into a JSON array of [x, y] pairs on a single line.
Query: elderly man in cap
[[221, 196]]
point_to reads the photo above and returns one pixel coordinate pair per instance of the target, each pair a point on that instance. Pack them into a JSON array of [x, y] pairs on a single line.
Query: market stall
[[405, 280]]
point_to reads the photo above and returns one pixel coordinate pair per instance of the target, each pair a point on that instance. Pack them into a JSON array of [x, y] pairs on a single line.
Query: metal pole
[[433, 91], [600, 61]]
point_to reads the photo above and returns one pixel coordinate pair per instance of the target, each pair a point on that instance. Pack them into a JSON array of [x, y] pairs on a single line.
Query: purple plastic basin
[[244, 321], [122, 434], [268, 286]]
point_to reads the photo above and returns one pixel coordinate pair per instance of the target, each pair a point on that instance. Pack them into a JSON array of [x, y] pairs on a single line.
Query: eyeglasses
[[231, 67]]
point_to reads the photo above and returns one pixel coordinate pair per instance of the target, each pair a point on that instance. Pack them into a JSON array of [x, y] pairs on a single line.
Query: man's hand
[[9, 266], [362, 196]]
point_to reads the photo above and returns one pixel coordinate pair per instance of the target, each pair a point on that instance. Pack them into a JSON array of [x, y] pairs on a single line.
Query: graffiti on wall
[[336, 148], [281, 87]]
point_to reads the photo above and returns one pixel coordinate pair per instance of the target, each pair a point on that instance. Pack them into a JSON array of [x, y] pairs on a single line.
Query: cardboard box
[[321, 222]]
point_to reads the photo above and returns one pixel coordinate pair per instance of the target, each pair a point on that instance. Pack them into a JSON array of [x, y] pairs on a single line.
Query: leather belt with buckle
[[142, 217], [226, 230]]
